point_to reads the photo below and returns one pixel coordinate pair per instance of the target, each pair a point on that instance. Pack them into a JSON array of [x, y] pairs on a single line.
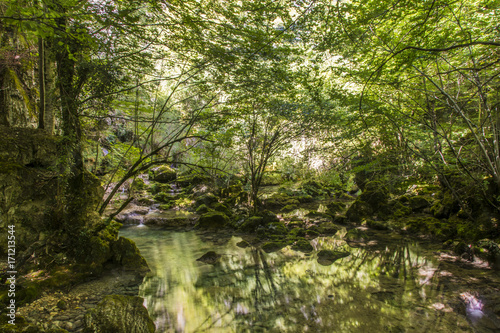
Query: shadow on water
[[386, 286]]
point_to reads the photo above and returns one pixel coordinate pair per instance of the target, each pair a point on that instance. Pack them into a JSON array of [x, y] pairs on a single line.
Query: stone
[[126, 253], [302, 245], [212, 220], [163, 174], [335, 207], [118, 313], [252, 223], [417, 203], [328, 228], [358, 210], [273, 246]]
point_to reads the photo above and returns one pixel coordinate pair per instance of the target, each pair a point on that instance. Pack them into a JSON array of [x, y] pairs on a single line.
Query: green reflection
[[388, 287]]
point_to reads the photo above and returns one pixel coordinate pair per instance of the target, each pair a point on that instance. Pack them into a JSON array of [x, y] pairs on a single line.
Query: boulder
[[252, 223], [273, 246], [358, 210], [417, 203], [302, 245], [118, 313], [210, 258], [335, 207], [163, 174], [328, 228], [126, 254], [212, 220], [206, 199]]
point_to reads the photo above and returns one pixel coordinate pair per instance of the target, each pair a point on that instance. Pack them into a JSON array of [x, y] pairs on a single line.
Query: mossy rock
[[252, 223], [303, 245], [335, 207], [206, 199], [377, 225], [192, 179], [277, 228], [328, 228], [296, 224], [118, 313], [163, 174], [358, 210], [138, 185], [488, 250], [289, 208], [341, 219], [202, 209], [312, 233], [356, 235], [280, 200], [375, 194], [445, 206], [221, 208], [212, 220], [273, 246], [400, 210], [296, 233], [442, 230], [233, 190], [268, 217], [164, 197], [417, 203], [328, 257], [243, 244], [127, 255], [316, 214]]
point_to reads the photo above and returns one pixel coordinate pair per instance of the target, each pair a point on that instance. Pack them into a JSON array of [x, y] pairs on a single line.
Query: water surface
[[387, 286]]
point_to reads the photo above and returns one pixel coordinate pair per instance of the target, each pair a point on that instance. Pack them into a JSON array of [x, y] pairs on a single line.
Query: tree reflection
[[389, 286]]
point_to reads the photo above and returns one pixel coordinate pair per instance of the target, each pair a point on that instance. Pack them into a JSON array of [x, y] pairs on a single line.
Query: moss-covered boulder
[[207, 199], [358, 210], [221, 208], [445, 206], [163, 174], [418, 203], [488, 250], [211, 258], [311, 233], [313, 188], [277, 228], [212, 220], [441, 229], [376, 224], [303, 245], [375, 194], [335, 207], [280, 200], [328, 257], [328, 228], [118, 313], [127, 255], [399, 209], [202, 209], [252, 223], [289, 208], [268, 216]]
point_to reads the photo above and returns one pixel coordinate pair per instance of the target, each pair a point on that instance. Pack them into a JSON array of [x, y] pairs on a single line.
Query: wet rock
[[117, 313], [358, 210], [335, 207], [280, 200], [488, 250], [356, 235], [212, 220], [328, 257], [206, 199], [202, 209], [210, 258], [377, 225], [417, 203], [243, 244]]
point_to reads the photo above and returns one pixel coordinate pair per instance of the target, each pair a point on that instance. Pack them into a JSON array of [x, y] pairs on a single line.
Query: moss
[[316, 214], [377, 225], [206, 199], [163, 197], [289, 208], [212, 220], [138, 185], [268, 217], [221, 208], [400, 210], [442, 230], [163, 174], [302, 245], [375, 194], [279, 200], [62, 304], [311, 233], [277, 228], [296, 224]]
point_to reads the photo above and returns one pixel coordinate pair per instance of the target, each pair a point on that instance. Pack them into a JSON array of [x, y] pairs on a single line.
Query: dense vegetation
[[394, 101]]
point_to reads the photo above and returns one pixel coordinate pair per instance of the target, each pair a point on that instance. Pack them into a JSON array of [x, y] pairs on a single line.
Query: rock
[[252, 223], [303, 246], [358, 210], [117, 313], [209, 258], [126, 253], [62, 305], [206, 199], [328, 257], [488, 250], [335, 207], [377, 225], [280, 200], [375, 194], [328, 228], [202, 209], [417, 203], [289, 208], [268, 217], [163, 174], [221, 208], [243, 244], [212, 220]]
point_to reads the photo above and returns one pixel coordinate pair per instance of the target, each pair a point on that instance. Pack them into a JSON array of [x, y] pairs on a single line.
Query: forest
[[312, 134]]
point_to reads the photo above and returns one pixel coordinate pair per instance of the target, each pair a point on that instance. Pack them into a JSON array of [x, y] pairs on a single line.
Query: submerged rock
[[328, 257], [118, 313], [210, 258], [273, 246], [302, 245], [126, 253]]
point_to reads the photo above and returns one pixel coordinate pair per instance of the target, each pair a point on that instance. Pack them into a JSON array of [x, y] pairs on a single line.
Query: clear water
[[387, 286]]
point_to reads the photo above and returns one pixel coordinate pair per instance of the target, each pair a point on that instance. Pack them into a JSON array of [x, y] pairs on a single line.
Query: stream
[[386, 285]]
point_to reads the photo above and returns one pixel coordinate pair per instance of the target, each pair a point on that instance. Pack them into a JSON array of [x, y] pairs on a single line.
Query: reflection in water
[[384, 288]]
